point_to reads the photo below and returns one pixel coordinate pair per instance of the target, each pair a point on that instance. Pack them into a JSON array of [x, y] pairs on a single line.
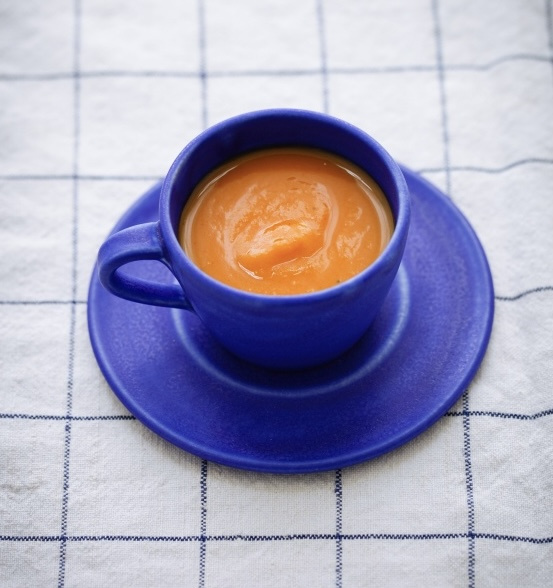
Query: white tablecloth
[[97, 98]]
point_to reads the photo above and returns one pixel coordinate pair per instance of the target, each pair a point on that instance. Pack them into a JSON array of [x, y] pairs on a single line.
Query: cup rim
[[397, 240]]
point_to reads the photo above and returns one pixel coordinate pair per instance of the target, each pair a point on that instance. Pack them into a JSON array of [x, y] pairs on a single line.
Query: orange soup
[[285, 221]]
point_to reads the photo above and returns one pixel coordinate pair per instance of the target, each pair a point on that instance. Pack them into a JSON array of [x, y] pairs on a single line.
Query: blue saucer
[[407, 371]]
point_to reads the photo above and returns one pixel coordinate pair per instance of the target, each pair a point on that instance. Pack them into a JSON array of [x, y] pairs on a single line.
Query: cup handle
[[137, 243]]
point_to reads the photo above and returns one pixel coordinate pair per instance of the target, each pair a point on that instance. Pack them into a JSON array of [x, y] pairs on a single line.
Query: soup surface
[[285, 221]]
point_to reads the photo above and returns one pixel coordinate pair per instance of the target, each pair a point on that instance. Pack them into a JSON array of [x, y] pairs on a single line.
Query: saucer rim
[[357, 454]]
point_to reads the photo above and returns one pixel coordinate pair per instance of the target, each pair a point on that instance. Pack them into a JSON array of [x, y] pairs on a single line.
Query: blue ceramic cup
[[285, 332]]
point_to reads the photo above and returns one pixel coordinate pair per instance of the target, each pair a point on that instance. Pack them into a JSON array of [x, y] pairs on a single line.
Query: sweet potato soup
[[285, 221]]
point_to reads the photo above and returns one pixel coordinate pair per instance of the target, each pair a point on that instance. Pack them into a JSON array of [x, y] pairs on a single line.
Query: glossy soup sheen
[[285, 221]]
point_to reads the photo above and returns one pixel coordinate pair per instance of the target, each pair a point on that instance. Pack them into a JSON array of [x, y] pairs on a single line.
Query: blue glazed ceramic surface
[[412, 365], [276, 331]]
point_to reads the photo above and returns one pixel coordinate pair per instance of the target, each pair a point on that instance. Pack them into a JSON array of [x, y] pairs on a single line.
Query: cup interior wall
[[227, 141]]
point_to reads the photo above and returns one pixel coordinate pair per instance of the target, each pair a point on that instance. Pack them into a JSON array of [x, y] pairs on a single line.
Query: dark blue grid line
[[455, 67], [275, 538], [463, 413], [442, 92], [74, 276], [82, 177], [379, 70], [41, 302], [339, 548], [501, 415], [203, 60], [512, 298], [203, 522], [339, 70], [469, 491], [254, 73], [54, 417], [320, 20], [156, 178], [549, 24], [202, 42], [525, 293], [322, 52], [64, 76], [466, 418], [487, 170]]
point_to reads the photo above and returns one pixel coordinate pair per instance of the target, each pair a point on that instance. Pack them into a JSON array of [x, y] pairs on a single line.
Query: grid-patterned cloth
[[97, 97]]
